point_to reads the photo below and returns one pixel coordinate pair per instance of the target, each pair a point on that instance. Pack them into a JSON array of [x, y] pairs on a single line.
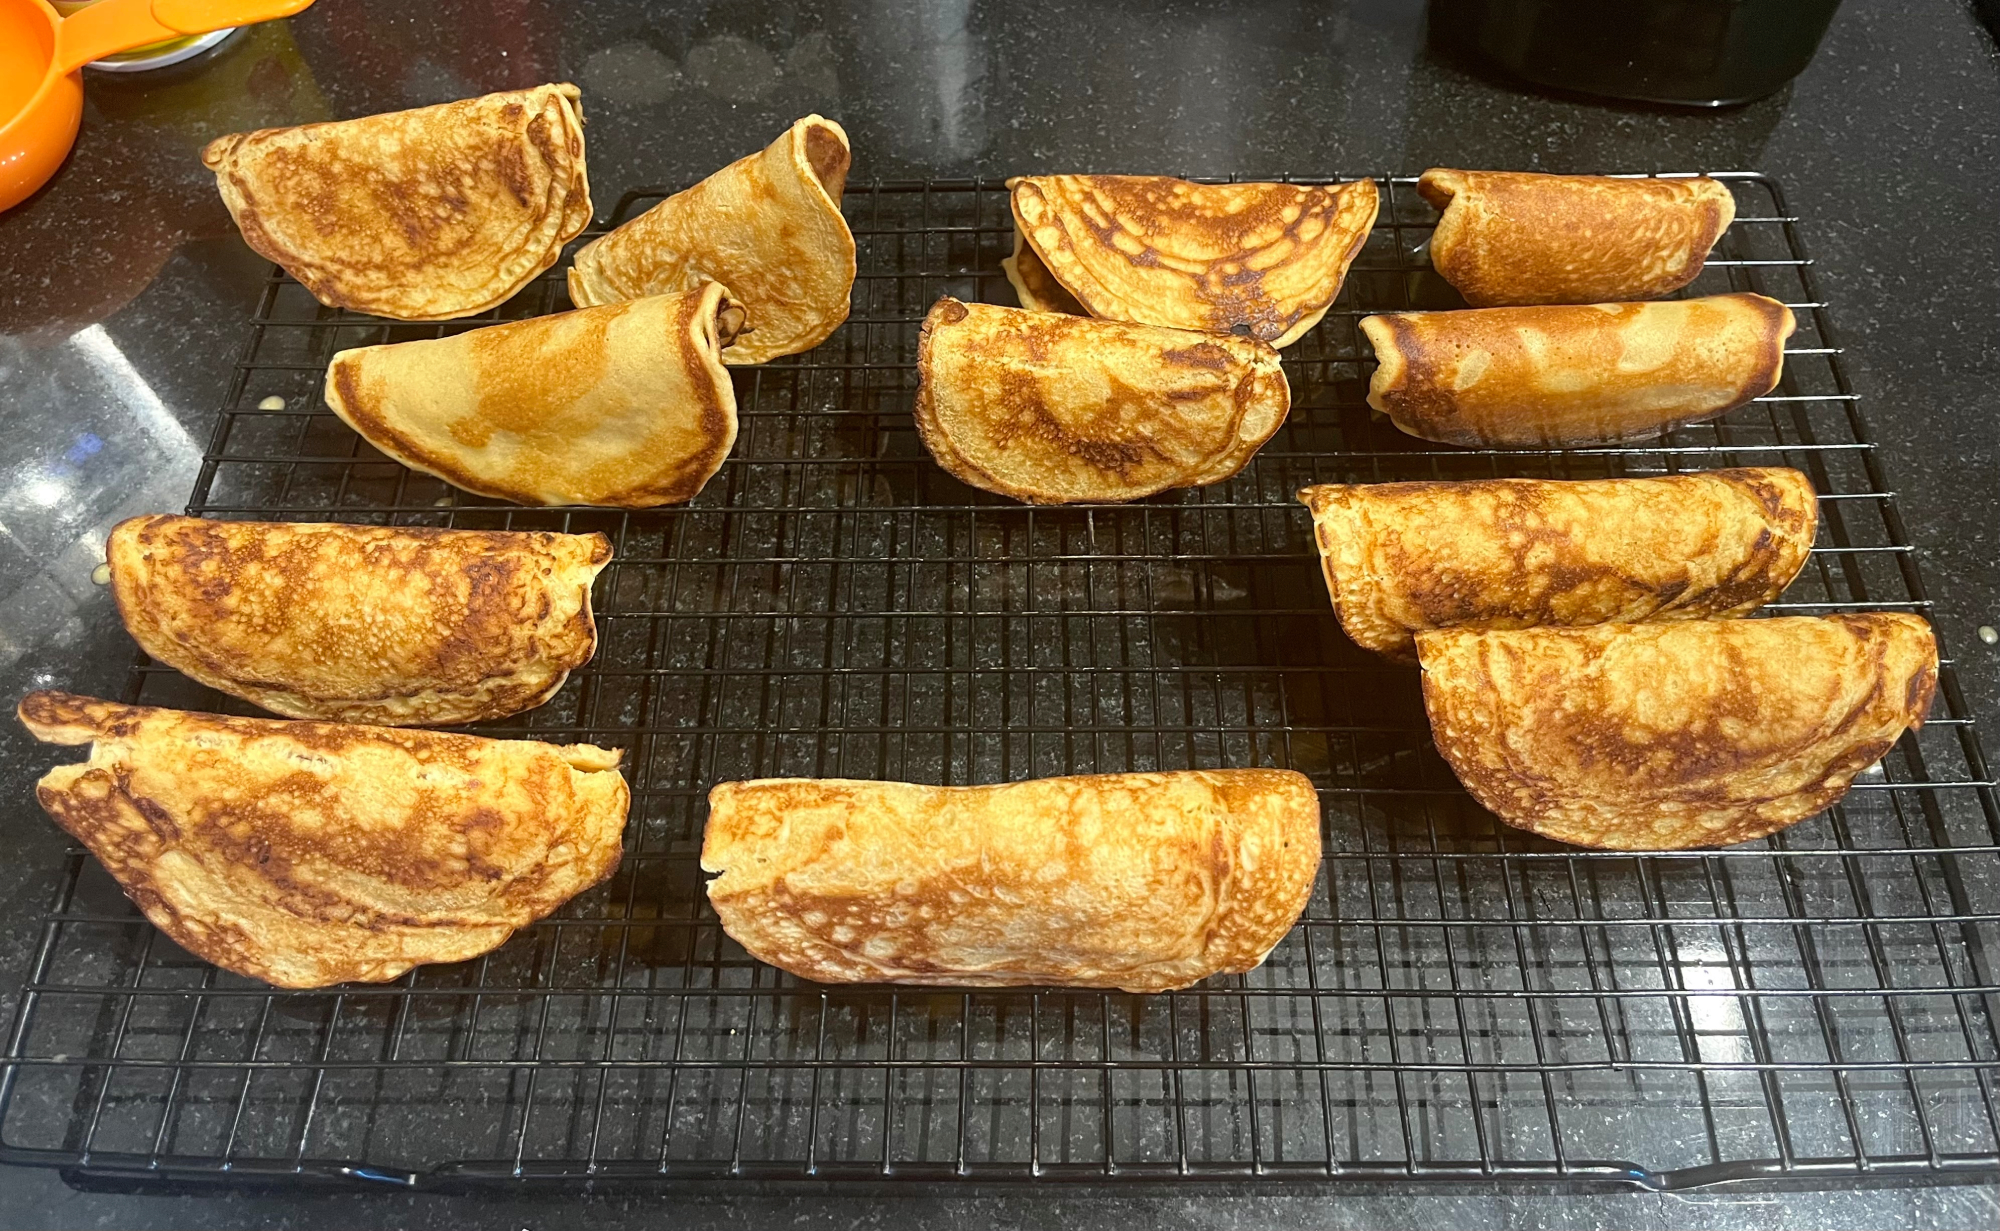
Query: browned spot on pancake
[[348, 383], [1421, 397], [1778, 325], [366, 412], [1917, 697], [156, 816], [828, 155], [531, 393], [511, 162], [1201, 355], [1092, 437]]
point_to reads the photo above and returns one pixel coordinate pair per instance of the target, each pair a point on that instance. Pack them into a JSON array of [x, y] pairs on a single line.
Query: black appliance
[[1702, 53]]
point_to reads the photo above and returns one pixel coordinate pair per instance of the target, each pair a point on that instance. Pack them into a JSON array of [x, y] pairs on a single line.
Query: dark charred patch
[[157, 817]]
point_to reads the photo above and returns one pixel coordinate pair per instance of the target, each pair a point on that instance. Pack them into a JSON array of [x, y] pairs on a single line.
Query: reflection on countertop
[[113, 451]]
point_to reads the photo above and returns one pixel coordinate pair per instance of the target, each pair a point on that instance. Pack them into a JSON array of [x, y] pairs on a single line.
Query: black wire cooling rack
[[1460, 1000]]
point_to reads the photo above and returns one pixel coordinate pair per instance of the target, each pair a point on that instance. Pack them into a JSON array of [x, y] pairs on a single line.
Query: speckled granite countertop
[[124, 290]]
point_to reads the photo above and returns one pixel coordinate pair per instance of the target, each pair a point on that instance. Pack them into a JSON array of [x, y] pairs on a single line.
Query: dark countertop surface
[[124, 291]]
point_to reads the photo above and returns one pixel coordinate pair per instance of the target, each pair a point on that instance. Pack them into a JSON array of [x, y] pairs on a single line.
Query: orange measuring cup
[[42, 54]]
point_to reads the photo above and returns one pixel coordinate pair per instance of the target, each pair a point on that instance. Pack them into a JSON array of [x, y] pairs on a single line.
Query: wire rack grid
[[1460, 1000]]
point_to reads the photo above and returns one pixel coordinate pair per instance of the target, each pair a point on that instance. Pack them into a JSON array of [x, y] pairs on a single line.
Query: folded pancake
[[1257, 260], [768, 227], [1665, 736], [400, 626], [626, 405], [1145, 882], [421, 215], [311, 853], [1053, 409], [1510, 237], [1574, 375], [1523, 553]]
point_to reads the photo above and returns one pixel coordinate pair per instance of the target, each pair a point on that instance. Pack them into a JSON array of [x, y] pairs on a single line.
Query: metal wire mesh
[[1460, 1000]]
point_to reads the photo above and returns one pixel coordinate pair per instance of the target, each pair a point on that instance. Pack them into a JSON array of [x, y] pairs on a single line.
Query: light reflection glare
[[946, 24], [46, 492], [132, 390], [1718, 1020]]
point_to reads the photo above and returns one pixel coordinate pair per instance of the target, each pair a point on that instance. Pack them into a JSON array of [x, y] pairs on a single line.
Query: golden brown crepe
[[1522, 553], [768, 227], [1665, 736], [1574, 375], [1257, 260], [312, 853], [1054, 409], [401, 626], [420, 215], [625, 405], [1510, 237], [1145, 882]]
